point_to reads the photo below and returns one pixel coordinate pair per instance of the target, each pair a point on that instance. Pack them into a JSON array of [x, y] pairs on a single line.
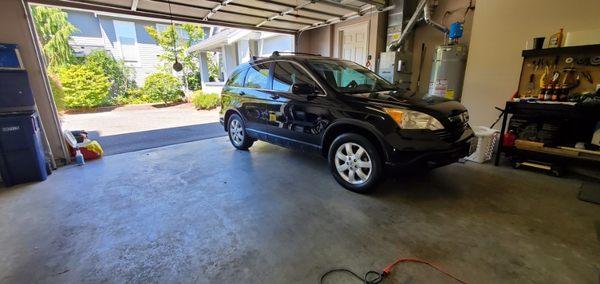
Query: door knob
[[242, 93]]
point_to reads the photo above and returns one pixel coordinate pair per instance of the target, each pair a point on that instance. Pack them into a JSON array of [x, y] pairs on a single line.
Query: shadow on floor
[[135, 141]]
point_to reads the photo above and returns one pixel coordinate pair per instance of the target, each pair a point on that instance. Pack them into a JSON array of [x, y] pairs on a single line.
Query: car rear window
[[237, 79], [258, 76]]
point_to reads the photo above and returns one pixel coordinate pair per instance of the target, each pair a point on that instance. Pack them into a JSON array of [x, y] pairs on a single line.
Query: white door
[[354, 43]]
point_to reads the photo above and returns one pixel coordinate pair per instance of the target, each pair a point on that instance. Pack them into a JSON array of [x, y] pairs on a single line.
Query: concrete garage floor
[[203, 212]]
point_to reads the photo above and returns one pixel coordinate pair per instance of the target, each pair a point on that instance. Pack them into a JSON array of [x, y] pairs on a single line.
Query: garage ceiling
[[287, 16]]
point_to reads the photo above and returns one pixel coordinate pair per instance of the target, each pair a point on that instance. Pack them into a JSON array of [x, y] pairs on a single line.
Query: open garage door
[[284, 16]]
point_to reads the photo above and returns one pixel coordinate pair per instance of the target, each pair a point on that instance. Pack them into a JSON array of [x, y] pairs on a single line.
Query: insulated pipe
[[428, 20], [422, 7], [409, 26]]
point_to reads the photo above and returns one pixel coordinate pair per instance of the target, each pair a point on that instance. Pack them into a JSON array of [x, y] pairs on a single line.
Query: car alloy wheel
[[236, 132], [353, 163]]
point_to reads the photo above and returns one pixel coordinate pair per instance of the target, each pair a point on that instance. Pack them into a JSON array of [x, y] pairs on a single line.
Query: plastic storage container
[[486, 141], [21, 154]]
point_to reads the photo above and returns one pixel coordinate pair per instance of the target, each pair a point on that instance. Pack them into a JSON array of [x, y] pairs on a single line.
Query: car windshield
[[349, 77]]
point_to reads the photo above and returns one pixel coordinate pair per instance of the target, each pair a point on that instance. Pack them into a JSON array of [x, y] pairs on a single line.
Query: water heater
[[448, 71]]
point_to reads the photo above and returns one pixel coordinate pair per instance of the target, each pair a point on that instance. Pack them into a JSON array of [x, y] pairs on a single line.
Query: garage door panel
[[236, 18], [160, 7], [284, 25], [292, 17], [239, 13], [244, 10]]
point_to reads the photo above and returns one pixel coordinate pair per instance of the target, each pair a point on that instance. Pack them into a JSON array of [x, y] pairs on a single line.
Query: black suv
[[358, 120]]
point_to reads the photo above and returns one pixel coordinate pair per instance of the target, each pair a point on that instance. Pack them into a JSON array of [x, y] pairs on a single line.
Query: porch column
[[203, 62], [229, 59], [253, 46]]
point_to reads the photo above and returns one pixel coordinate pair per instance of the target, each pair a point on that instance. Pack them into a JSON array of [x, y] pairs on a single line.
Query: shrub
[[84, 86], [205, 101], [119, 76], [163, 87], [57, 91], [193, 81], [133, 96]]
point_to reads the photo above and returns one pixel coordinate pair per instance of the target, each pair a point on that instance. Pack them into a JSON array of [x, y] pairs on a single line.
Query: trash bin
[[486, 141], [21, 154]]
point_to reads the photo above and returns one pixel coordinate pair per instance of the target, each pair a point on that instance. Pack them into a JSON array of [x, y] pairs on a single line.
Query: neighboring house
[[231, 47], [125, 37]]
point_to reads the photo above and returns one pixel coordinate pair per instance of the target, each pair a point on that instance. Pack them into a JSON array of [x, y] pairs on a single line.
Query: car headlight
[[410, 119]]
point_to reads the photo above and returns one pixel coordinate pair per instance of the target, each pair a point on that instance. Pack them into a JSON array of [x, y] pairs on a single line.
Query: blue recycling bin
[[21, 153]]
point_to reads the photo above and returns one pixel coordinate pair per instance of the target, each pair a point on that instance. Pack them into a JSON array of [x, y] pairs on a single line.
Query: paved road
[[133, 128]]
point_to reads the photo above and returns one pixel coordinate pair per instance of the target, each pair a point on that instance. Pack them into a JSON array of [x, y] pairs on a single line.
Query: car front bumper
[[451, 153]]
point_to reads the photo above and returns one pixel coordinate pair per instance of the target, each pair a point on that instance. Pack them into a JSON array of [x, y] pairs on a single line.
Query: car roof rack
[[278, 53]]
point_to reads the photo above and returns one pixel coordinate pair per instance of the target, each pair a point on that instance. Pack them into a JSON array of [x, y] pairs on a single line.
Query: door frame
[[339, 32]]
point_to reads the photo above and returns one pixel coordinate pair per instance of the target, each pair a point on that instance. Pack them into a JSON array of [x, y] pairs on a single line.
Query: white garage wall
[[500, 30]]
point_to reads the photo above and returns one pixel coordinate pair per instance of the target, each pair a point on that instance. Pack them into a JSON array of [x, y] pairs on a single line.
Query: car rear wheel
[[355, 163], [237, 133]]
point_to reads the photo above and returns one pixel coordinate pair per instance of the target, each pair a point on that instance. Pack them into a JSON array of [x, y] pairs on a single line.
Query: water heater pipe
[[428, 20]]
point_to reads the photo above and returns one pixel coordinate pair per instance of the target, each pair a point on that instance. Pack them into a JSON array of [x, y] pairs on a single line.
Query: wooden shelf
[[562, 50]]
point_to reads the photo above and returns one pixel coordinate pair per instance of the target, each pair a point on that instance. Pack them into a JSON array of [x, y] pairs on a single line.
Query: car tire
[[355, 163], [237, 133]]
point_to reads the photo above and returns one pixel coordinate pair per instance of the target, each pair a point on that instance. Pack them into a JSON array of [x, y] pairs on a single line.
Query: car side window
[[237, 80], [258, 77], [286, 74]]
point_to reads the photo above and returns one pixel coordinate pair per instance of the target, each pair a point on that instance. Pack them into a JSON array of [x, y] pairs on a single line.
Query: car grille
[[458, 125]]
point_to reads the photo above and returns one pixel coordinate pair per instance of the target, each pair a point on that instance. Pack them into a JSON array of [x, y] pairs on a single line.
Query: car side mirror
[[304, 89]]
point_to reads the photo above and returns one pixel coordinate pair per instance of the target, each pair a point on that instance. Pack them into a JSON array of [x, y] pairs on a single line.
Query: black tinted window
[[237, 79], [258, 77], [286, 74]]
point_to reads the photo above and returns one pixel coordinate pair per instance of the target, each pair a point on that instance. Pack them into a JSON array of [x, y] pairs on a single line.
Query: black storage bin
[[15, 93], [21, 154]]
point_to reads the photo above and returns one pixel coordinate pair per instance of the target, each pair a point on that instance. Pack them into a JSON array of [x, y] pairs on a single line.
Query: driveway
[[138, 127]]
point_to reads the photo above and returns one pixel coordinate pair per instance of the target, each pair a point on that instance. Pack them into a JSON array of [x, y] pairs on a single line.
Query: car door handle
[[275, 97], [242, 93]]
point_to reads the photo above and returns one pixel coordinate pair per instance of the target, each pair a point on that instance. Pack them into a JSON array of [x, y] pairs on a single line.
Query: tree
[[54, 31], [166, 40]]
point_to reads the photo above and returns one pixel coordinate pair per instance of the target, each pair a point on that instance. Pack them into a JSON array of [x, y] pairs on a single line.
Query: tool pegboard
[[578, 67]]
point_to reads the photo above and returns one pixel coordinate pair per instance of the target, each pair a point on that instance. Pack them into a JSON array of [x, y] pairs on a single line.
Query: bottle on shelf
[[564, 92], [549, 92], [541, 93]]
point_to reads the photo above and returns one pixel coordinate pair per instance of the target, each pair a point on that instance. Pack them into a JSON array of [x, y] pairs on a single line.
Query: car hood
[[436, 106]]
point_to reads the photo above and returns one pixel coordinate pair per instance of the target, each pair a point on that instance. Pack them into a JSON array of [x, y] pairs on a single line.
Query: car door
[[255, 97], [299, 120]]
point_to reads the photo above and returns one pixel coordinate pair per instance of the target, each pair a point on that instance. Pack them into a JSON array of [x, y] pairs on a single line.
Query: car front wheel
[[237, 133], [355, 163]]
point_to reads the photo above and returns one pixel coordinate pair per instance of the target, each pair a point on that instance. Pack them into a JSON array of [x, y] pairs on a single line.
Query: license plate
[[473, 146]]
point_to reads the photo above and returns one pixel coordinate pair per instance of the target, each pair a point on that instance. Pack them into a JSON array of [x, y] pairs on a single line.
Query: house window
[[127, 39], [182, 35]]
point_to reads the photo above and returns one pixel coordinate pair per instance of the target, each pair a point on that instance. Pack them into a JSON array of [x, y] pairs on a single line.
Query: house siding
[[98, 32]]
